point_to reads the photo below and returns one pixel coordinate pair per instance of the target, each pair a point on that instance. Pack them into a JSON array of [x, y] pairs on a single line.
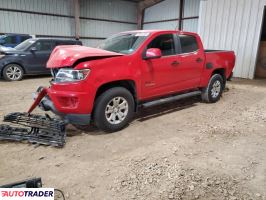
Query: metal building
[[37, 17], [98, 19], [234, 25], [173, 14], [222, 24]]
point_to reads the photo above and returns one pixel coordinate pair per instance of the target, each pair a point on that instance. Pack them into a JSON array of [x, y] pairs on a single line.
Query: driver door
[[158, 75]]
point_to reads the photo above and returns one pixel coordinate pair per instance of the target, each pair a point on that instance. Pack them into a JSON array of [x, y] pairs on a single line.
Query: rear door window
[[63, 43], [23, 38], [13, 39], [188, 43], [165, 43], [67, 43], [10, 40], [45, 45]]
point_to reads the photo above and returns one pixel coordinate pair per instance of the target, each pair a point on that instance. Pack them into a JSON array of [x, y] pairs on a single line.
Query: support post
[[77, 19], [142, 5], [181, 15], [140, 17]]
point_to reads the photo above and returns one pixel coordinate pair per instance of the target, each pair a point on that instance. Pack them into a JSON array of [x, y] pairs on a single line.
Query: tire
[[213, 92], [114, 109], [13, 72]]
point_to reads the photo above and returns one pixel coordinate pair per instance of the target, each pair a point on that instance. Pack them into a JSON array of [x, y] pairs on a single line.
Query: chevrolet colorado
[[105, 85]]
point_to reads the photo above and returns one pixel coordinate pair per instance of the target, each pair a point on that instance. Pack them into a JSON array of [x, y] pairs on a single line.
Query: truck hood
[[68, 55]]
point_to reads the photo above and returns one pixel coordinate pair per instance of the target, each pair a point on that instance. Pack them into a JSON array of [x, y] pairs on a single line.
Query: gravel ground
[[182, 150]]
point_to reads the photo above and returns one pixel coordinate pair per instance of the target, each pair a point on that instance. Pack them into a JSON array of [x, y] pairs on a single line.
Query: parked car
[[135, 68], [29, 57], [13, 39]]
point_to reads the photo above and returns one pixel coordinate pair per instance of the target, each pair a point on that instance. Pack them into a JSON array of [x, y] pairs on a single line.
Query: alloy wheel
[[116, 110], [216, 89], [13, 72]]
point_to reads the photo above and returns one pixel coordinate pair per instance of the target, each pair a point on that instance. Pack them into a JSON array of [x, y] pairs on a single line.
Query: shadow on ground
[[142, 115]]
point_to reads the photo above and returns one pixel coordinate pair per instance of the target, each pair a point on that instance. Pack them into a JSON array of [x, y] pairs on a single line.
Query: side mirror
[[153, 53], [33, 49]]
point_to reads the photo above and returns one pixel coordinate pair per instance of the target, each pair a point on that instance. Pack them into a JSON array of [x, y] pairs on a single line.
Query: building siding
[[56, 18], [165, 10], [169, 10], [117, 10], [35, 24], [171, 25], [191, 9], [190, 25], [63, 7], [18, 18], [233, 25], [109, 9]]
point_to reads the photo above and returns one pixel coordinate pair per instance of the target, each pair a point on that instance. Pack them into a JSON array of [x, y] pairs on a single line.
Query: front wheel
[[114, 109], [213, 92], [13, 72]]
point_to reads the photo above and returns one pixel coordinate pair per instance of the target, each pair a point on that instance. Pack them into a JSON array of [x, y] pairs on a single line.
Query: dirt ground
[[184, 150]]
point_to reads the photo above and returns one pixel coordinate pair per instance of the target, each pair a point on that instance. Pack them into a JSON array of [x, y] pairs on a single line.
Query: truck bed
[[221, 59]]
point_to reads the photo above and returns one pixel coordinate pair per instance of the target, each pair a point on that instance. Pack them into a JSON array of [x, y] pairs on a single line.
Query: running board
[[170, 99]]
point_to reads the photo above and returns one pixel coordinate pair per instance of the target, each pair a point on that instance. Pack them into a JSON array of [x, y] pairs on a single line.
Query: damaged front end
[[66, 98]]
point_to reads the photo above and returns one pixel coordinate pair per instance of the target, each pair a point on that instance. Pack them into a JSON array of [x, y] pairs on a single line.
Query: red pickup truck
[[106, 85]]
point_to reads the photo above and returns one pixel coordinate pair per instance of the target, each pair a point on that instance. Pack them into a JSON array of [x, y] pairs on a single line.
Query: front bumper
[[72, 102], [80, 119]]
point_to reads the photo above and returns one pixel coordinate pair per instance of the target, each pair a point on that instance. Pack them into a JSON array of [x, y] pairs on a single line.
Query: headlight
[[54, 72], [2, 55], [71, 75]]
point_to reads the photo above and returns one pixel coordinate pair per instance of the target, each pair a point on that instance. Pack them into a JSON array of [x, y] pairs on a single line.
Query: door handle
[[199, 60], [175, 63]]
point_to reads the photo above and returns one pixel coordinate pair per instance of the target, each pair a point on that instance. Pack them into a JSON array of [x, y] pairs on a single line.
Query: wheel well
[[128, 84], [220, 72], [13, 63]]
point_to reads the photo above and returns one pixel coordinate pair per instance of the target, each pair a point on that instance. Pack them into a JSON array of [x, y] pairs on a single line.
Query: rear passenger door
[[191, 61]]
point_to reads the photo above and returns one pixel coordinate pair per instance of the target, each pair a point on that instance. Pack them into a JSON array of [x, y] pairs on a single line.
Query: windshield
[[24, 45], [124, 43]]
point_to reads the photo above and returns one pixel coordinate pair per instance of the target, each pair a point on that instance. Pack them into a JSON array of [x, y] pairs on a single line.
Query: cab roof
[[160, 31]]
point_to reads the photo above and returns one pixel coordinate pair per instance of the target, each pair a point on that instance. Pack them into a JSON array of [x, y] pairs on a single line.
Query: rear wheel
[[13, 72], [213, 92], [114, 109]]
